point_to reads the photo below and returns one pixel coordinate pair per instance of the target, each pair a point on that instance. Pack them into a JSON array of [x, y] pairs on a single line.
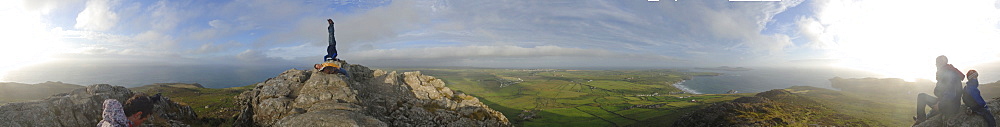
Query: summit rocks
[[367, 98], [83, 107]]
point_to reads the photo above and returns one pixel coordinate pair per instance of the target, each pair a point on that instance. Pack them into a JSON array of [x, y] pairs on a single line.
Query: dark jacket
[[972, 97]]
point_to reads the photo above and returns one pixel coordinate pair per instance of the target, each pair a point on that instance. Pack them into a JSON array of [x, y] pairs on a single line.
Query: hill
[[214, 106], [800, 106], [19, 92]]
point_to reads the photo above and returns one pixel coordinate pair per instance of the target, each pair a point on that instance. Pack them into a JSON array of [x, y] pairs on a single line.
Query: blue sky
[[887, 37]]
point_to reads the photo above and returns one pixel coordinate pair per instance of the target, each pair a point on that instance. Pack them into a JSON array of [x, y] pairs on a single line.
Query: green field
[[580, 97], [215, 107]]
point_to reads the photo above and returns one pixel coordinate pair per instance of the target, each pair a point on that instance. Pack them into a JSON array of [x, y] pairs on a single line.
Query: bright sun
[[903, 41], [25, 40]]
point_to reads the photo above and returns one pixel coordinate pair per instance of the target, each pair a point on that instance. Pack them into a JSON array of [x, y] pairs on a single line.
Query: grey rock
[[963, 119], [83, 107], [367, 98], [330, 118]]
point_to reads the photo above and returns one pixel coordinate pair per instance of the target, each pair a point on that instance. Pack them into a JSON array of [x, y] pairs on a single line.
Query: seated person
[[947, 93], [114, 113], [974, 101]]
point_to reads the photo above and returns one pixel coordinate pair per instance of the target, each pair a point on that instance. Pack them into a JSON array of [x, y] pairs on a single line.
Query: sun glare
[[903, 41], [26, 40]]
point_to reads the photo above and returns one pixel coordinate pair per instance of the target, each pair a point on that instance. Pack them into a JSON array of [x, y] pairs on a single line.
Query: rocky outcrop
[[82, 107], [367, 98], [964, 119]]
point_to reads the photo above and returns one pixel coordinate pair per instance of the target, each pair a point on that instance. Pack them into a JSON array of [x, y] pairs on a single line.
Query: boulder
[[963, 119]]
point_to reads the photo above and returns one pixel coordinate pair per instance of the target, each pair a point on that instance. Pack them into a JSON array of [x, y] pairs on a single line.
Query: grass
[[869, 109], [577, 97], [216, 107]]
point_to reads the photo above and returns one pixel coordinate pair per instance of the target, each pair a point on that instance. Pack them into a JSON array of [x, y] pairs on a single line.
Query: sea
[[761, 79]]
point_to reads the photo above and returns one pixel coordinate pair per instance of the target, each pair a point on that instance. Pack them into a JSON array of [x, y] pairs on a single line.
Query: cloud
[[479, 52], [46, 7], [218, 24], [250, 55], [628, 26], [503, 56], [214, 48], [97, 16], [166, 15], [672, 33]]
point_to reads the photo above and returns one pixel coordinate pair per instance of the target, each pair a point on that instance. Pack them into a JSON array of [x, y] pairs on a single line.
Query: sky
[[894, 38]]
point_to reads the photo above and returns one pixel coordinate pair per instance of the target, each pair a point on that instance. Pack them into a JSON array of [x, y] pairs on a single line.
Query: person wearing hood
[[947, 93], [974, 101]]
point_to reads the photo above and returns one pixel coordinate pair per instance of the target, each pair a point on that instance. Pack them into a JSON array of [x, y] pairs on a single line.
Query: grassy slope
[[215, 106], [18, 92], [578, 97], [858, 109]]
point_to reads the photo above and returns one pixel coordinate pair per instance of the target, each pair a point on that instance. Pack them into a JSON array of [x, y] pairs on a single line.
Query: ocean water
[[764, 79]]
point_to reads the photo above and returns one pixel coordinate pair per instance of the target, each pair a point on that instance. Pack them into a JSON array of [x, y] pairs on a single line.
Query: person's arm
[[136, 119]]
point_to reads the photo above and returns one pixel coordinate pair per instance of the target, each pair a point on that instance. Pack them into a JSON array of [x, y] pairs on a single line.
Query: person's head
[[972, 74], [318, 66], [140, 102], [941, 61], [329, 21]]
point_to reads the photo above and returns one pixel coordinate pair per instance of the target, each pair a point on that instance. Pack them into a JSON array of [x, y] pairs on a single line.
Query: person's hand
[[137, 118], [972, 74]]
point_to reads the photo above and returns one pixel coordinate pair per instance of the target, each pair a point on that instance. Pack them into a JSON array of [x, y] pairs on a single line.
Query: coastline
[[685, 88]]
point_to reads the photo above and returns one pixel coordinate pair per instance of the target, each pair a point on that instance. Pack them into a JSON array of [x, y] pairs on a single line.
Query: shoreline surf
[[679, 85]]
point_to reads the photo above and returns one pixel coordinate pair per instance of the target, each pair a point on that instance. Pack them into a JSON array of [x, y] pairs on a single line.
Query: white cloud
[[504, 56], [46, 7], [218, 24], [97, 16], [250, 55], [214, 48], [166, 15], [478, 52]]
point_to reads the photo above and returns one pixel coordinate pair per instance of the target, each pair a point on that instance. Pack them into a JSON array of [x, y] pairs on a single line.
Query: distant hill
[[990, 90], [20, 92], [801, 106], [725, 68]]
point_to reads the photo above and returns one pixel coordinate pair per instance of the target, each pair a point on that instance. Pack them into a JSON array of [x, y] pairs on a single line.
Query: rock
[[731, 92], [963, 119], [367, 98], [83, 107], [330, 118]]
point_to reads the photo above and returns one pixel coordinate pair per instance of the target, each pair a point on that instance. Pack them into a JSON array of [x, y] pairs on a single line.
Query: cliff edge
[[367, 98]]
